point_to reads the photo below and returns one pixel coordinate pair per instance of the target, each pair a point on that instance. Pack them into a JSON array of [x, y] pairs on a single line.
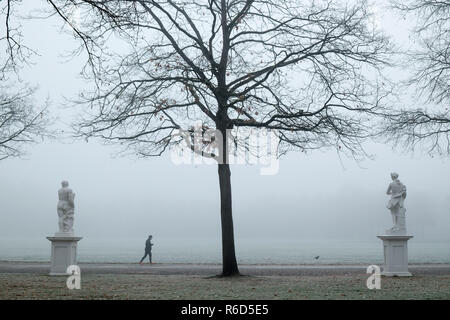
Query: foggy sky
[[314, 195]]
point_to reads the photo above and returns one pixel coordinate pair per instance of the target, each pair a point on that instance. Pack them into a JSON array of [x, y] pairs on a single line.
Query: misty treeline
[[314, 71]]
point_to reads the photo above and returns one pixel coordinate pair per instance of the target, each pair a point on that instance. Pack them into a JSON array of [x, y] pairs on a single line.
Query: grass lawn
[[132, 286]]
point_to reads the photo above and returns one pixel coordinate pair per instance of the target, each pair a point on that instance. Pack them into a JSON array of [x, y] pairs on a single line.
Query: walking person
[[148, 249]]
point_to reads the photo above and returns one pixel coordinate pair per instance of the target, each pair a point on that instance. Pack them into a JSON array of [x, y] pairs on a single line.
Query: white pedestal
[[395, 255], [64, 253]]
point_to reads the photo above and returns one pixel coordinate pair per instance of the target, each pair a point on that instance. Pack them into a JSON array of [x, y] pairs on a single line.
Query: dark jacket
[[148, 245]]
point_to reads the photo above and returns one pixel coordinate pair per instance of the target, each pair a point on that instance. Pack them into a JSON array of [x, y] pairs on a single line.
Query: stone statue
[[397, 191], [66, 208]]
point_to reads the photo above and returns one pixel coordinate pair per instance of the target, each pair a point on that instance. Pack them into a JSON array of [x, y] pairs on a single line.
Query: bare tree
[[429, 126], [21, 122], [309, 70]]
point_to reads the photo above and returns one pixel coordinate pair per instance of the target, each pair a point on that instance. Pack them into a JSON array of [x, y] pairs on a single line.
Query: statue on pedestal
[[65, 208], [397, 191], [395, 240], [64, 243]]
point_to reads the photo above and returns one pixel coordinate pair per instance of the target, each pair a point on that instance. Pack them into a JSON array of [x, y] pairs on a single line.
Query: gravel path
[[213, 269]]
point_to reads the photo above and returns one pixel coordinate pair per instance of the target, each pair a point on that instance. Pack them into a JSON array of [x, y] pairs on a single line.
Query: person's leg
[[150, 256], [143, 257]]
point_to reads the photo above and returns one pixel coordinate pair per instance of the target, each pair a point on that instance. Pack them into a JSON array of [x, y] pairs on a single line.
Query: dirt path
[[212, 269]]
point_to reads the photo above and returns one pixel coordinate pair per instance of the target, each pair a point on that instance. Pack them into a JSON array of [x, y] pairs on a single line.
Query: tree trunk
[[229, 263]]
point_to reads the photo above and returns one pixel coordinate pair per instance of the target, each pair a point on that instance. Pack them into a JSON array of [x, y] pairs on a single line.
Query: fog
[[314, 195]]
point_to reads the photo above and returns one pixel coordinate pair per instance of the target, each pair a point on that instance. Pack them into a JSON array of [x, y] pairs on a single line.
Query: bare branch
[[427, 127], [304, 68]]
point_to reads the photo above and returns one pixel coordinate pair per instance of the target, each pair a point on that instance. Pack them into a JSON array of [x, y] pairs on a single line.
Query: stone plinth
[[395, 247], [64, 253]]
